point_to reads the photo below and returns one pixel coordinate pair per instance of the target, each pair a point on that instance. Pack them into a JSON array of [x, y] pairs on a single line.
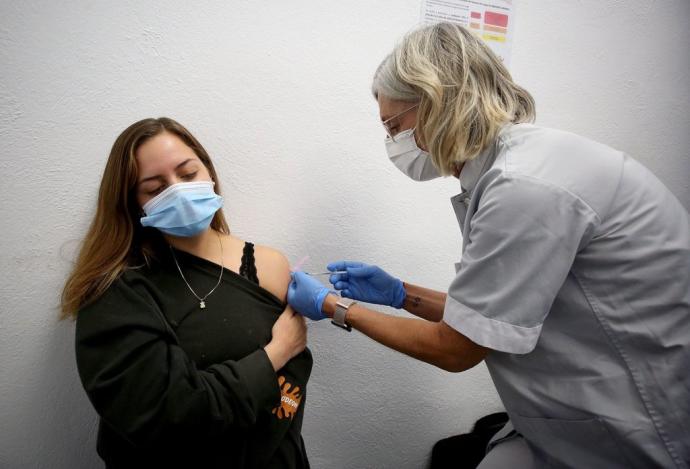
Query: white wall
[[278, 92]]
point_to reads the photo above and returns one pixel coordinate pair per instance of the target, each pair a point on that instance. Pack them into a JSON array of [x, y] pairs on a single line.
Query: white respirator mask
[[406, 155]]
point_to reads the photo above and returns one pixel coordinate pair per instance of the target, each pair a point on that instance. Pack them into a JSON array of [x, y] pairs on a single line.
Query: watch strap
[[341, 308]]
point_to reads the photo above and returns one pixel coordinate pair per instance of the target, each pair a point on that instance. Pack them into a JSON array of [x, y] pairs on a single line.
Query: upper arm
[[462, 353], [273, 270], [522, 242]]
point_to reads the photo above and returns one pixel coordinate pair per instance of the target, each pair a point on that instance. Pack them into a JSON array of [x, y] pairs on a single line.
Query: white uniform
[[576, 272]]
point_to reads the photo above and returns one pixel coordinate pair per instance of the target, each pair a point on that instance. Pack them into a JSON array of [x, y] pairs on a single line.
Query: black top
[[180, 386]]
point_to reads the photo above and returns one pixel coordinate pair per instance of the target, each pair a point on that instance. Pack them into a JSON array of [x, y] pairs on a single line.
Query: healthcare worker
[[574, 281]]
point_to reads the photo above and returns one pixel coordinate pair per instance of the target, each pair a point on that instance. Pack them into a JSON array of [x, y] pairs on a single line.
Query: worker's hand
[[306, 295], [367, 283]]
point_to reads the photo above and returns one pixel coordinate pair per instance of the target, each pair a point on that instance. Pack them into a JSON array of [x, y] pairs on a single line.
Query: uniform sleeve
[[144, 386], [522, 242]]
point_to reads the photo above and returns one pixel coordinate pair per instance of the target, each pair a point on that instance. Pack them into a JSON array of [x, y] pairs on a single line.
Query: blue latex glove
[[367, 283], [306, 295]]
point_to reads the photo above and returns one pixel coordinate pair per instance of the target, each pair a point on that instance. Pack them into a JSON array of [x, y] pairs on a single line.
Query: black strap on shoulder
[[248, 267]]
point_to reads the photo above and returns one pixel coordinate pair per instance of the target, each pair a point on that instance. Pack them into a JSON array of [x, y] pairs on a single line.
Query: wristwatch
[[341, 307]]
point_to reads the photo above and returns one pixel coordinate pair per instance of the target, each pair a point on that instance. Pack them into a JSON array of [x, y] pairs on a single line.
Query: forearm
[[151, 407], [432, 342], [423, 302], [277, 355]]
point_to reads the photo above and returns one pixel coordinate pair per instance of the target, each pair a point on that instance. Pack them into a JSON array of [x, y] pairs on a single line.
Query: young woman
[[184, 343]]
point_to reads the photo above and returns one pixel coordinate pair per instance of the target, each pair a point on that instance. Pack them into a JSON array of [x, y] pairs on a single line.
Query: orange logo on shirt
[[289, 400]]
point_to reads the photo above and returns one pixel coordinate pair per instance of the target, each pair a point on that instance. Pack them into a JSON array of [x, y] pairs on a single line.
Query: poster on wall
[[491, 20]]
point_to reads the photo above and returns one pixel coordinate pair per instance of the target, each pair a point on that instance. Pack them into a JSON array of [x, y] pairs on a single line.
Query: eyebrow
[[159, 177]]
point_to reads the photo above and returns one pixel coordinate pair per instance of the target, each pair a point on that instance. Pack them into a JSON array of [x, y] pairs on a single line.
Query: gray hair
[[465, 93]]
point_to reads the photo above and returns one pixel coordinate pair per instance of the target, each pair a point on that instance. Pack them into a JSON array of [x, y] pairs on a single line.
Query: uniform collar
[[473, 169]]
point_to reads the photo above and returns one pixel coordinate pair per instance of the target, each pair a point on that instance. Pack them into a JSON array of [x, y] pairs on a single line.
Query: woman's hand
[[289, 338], [368, 283]]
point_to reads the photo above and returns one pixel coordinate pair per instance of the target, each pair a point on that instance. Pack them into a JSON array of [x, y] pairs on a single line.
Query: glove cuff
[[318, 302], [400, 294]]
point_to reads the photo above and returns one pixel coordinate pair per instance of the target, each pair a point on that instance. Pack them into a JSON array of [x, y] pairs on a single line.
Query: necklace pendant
[[202, 304]]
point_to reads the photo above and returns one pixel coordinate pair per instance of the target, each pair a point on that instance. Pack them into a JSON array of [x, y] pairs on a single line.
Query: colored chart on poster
[[490, 20]]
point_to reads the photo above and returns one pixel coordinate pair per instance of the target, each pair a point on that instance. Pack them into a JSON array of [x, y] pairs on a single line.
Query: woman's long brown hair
[[116, 240]]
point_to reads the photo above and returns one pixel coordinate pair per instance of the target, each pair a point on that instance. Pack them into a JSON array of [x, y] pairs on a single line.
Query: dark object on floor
[[467, 450]]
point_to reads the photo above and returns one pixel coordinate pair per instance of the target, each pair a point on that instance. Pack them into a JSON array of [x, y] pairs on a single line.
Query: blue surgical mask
[[409, 158], [183, 209]]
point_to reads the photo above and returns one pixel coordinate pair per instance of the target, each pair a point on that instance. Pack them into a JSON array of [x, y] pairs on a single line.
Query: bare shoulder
[[273, 270]]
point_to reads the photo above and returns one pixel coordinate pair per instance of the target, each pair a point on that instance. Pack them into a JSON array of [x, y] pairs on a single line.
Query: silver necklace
[[202, 301]]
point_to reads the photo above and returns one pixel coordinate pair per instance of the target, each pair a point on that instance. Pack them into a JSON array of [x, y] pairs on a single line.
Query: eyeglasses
[[387, 123]]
